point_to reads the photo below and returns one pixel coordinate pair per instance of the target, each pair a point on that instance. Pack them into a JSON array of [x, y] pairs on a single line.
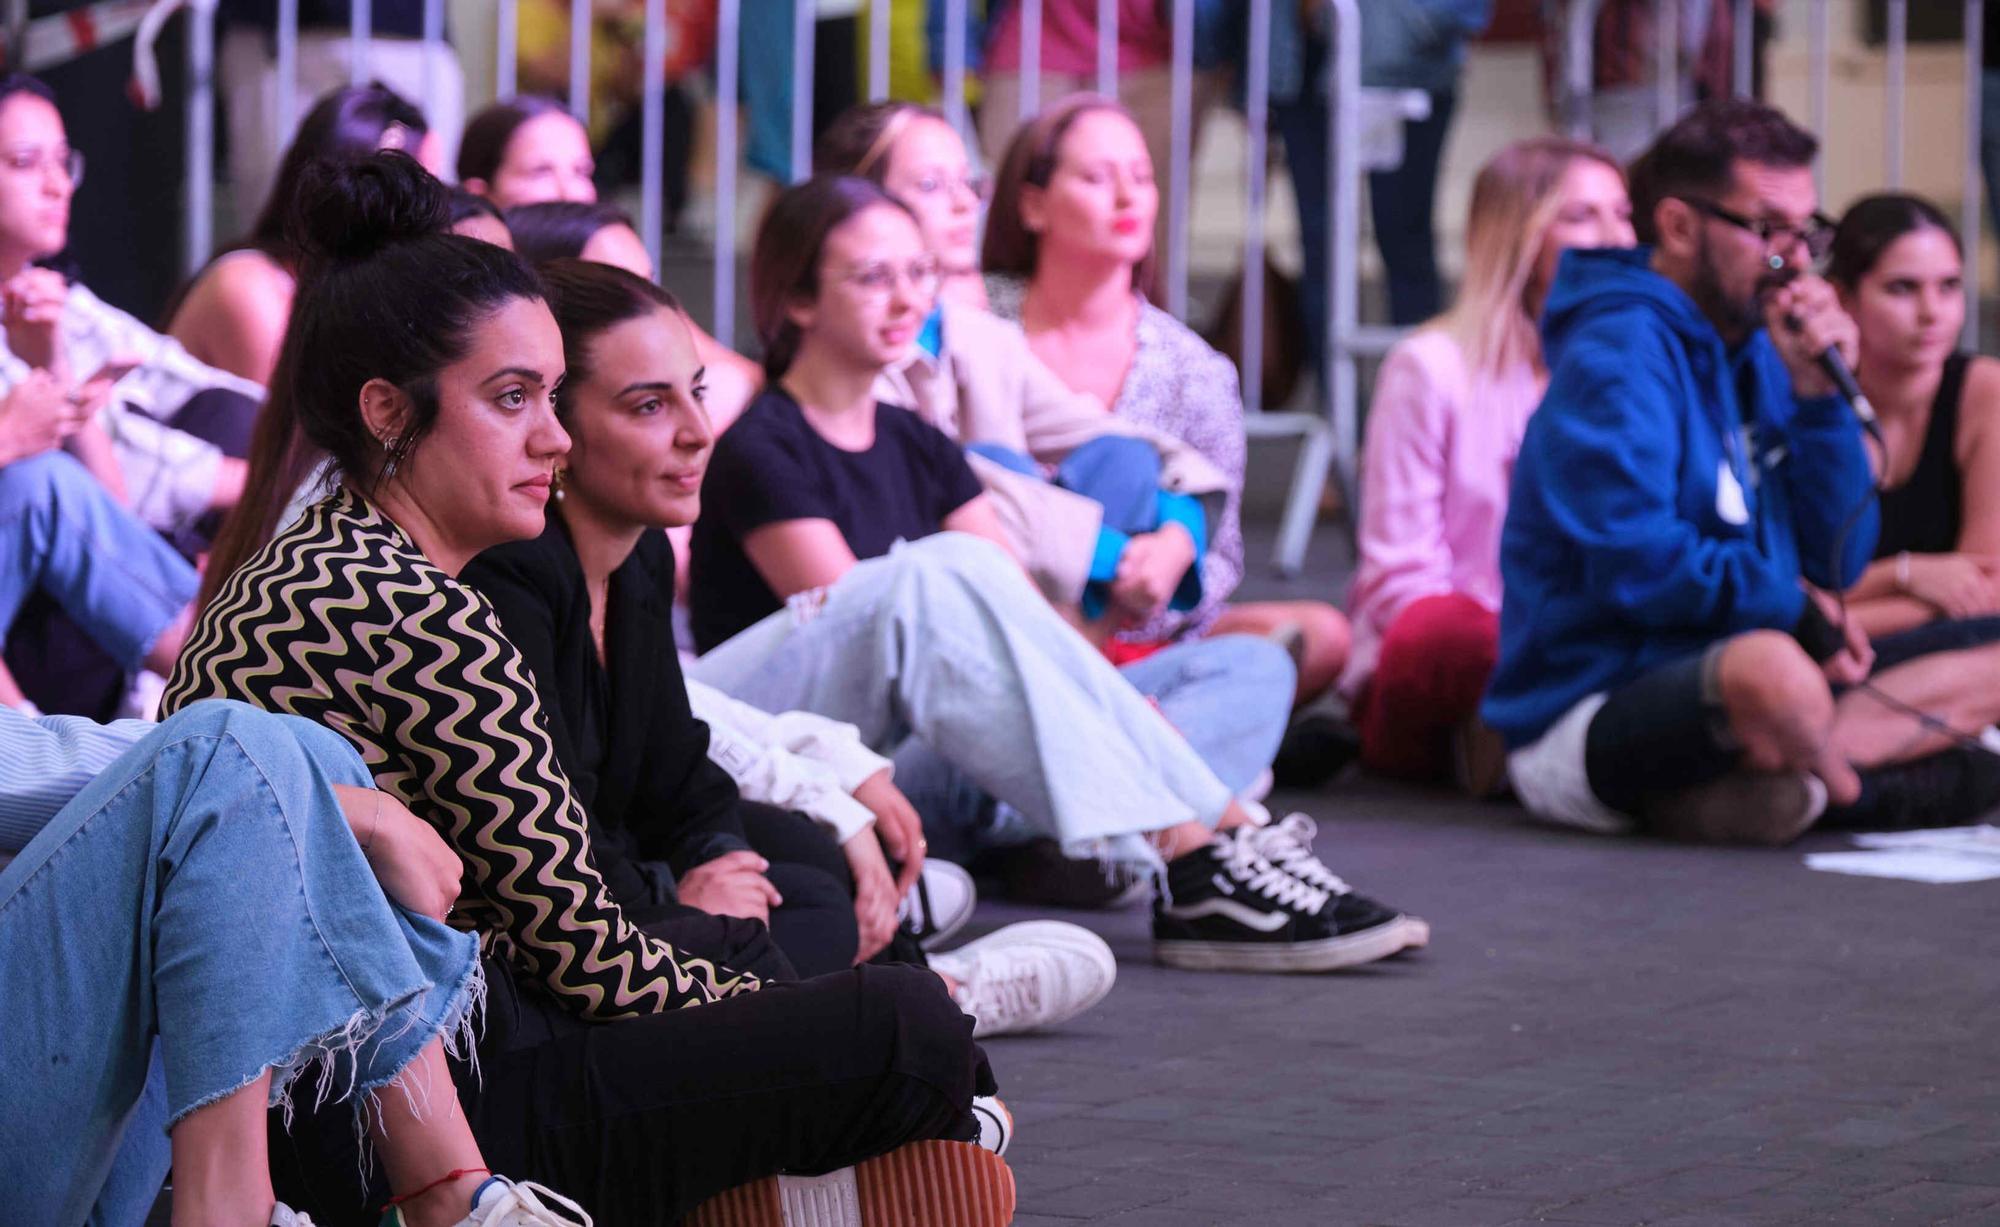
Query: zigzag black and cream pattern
[[342, 620]]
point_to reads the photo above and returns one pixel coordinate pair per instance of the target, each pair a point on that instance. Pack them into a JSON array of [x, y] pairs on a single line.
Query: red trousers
[[1429, 677]]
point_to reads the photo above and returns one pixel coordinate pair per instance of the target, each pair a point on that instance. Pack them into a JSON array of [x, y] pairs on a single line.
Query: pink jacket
[[1434, 471]]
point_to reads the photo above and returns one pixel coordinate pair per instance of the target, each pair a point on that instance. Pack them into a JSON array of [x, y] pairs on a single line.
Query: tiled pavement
[[1602, 1032]]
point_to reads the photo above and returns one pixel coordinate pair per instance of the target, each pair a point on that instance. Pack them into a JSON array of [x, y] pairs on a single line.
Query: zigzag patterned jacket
[[341, 619]]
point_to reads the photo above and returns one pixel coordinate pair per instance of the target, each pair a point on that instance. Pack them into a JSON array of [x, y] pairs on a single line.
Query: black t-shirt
[[772, 466]]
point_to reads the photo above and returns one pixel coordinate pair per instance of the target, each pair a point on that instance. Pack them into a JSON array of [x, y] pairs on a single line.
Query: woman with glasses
[[848, 563], [1108, 516]]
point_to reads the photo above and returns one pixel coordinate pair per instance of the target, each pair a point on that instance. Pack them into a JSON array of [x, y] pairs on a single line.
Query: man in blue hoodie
[[1686, 494]]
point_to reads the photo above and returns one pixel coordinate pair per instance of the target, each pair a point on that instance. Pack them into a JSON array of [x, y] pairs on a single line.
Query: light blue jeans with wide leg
[[947, 640], [205, 897], [1230, 696], [63, 533]]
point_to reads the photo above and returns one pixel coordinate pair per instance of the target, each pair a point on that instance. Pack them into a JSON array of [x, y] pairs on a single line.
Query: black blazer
[[634, 753]]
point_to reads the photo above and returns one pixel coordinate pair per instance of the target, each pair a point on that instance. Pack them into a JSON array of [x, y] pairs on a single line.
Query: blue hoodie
[[1642, 525]]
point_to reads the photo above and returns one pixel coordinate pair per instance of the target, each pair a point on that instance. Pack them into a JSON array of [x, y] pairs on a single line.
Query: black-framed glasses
[[1816, 234]]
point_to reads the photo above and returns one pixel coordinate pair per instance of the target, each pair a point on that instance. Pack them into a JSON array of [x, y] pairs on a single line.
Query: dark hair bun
[[349, 210]]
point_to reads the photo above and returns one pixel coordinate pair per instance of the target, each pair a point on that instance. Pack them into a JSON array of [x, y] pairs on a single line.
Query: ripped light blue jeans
[[204, 896], [947, 640]]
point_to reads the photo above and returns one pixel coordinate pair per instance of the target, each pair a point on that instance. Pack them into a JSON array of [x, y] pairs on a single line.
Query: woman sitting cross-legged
[[847, 563], [1451, 404], [588, 603], [642, 1071]]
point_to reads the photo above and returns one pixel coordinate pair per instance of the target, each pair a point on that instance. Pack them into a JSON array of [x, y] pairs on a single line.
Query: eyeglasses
[[1816, 234], [979, 186], [877, 280], [30, 158]]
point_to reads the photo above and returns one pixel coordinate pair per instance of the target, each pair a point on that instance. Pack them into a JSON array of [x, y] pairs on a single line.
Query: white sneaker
[[500, 1202], [283, 1215], [1035, 974], [940, 902], [996, 1123], [932, 1184]]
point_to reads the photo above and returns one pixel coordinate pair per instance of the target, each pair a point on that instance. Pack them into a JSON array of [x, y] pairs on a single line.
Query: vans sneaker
[[939, 1183], [1225, 907], [1034, 974], [1288, 844], [939, 903]]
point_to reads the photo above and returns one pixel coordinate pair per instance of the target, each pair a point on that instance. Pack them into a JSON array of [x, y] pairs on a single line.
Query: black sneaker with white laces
[[1225, 907]]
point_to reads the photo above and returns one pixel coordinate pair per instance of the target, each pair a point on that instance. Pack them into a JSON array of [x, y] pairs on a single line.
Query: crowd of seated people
[[568, 732]]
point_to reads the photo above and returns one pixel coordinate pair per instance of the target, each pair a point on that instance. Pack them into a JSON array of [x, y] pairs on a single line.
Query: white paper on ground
[[1941, 854], [1982, 838]]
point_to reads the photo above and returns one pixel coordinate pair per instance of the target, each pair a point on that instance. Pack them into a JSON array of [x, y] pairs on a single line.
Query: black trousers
[[814, 928], [641, 1120]]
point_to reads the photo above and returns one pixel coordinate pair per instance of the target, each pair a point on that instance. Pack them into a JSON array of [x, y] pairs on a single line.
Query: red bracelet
[[447, 1178]]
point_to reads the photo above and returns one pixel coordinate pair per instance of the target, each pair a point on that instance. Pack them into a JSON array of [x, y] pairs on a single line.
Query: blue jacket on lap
[[1644, 520]]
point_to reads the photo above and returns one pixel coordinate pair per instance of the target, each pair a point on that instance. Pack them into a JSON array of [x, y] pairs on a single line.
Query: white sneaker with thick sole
[[1038, 973], [923, 1184], [940, 902]]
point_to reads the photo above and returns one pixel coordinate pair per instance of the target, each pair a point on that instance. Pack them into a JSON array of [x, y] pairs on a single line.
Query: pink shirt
[[1069, 37], [1434, 472]]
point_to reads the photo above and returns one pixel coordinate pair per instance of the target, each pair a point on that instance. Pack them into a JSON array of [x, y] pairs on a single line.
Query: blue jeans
[[63, 533], [1230, 696], [1401, 203], [204, 892], [946, 639]]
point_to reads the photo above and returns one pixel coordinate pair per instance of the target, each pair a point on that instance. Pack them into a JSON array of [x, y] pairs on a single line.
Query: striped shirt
[[341, 619], [46, 760]]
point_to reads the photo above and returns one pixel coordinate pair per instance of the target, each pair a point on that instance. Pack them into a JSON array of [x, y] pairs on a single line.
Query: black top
[[636, 756], [1924, 514], [772, 466]]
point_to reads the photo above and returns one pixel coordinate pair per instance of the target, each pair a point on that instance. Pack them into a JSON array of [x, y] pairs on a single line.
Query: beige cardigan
[[987, 387]]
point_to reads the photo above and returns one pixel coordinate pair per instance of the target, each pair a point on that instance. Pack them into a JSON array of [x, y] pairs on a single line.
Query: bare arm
[[794, 556]]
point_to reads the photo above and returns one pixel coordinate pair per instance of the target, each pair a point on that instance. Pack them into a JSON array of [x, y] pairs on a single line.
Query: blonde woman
[[1450, 406]]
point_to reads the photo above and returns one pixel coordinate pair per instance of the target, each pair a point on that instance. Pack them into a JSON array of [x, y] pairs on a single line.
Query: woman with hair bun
[[636, 1065], [1900, 272]]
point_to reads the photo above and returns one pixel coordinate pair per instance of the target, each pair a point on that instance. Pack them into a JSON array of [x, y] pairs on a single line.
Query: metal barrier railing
[[1579, 80], [1329, 436]]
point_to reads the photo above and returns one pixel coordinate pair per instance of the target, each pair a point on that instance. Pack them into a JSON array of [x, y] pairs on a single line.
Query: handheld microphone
[[1832, 365]]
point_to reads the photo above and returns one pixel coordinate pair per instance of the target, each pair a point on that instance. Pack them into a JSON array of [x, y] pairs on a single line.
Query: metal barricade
[[1329, 437]]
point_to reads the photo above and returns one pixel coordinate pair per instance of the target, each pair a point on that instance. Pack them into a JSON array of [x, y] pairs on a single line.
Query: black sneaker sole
[[1325, 954]]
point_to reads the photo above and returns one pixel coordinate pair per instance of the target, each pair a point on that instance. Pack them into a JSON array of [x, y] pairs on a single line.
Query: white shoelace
[[1248, 865], [521, 1205], [1006, 997], [1287, 843]]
